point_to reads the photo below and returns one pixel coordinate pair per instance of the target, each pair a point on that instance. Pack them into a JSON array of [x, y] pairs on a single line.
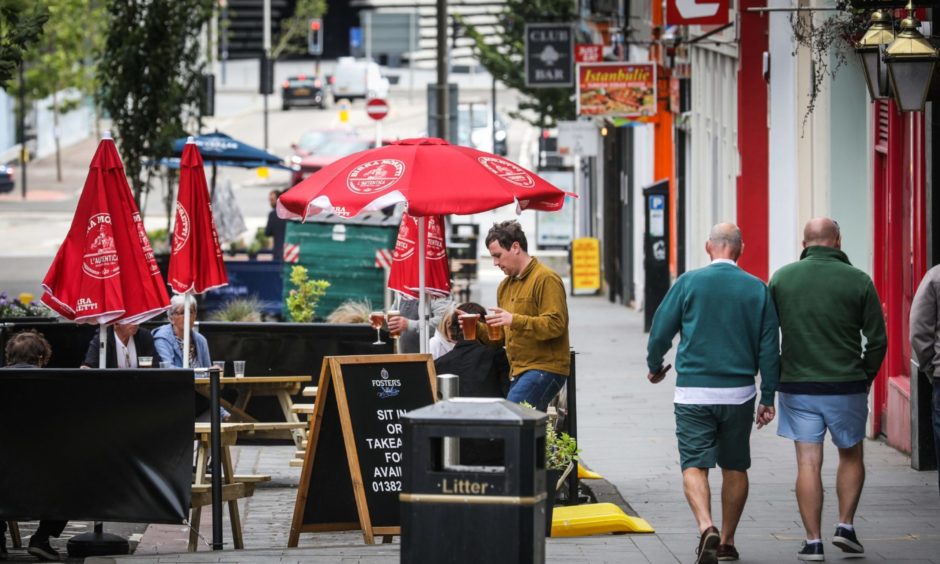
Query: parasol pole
[[102, 345], [186, 335], [422, 313]]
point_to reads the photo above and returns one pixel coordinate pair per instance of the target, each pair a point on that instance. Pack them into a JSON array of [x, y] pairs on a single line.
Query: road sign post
[[377, 109]]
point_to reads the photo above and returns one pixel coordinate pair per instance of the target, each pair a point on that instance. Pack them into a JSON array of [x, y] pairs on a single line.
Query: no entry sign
[[377, 108]]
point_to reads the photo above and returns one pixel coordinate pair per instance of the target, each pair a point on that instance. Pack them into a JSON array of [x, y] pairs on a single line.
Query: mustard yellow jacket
[[537, 339]]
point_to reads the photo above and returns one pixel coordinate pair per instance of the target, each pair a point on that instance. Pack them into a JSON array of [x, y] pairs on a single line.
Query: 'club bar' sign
[[549, 55]]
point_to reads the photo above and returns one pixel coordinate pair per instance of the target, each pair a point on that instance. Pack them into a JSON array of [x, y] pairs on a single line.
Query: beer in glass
[[468, 324], [494, 332], [376, 318], [392, 313]]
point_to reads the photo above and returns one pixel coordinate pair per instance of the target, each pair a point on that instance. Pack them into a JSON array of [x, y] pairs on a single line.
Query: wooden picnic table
[[281, 387], [233, 487]]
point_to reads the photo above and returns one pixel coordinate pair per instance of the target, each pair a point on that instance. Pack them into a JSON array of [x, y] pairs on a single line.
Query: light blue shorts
[[805, 418]]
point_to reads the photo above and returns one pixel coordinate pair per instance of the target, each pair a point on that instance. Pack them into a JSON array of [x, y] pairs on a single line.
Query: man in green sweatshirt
[[826, 305], [729, 332]]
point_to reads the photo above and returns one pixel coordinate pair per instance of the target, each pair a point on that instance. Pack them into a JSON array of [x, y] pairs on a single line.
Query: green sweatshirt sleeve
[[769, 355], [552, 320], [873, 327], [666, 323]]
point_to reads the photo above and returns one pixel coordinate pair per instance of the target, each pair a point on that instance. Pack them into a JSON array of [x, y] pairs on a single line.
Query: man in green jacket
[[729, 332], [533, 315], [825, 306]]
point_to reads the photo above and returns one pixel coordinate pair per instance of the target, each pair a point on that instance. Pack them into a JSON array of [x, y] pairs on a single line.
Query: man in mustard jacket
[[533, 314]]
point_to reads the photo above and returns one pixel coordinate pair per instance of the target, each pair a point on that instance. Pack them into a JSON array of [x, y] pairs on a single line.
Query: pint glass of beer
[[494, 332], [468, 324], [391, 314]]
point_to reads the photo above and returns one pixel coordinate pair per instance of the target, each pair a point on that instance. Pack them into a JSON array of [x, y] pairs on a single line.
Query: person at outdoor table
[[168, 340], [444, 338], [533, 314], [483, 370], [407, 323], [122, 352], [29, 349]]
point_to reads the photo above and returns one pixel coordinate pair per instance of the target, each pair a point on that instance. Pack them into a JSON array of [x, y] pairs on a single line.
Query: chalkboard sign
[[352, 471]]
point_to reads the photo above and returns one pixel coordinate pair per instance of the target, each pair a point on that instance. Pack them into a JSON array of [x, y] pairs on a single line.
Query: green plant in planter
[[13, 307], [561, 449], [261, 240], [239, 310], [303, 298]]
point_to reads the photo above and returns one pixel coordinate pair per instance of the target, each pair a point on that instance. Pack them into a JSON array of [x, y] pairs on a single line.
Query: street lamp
[[879, 34], [911, 61]]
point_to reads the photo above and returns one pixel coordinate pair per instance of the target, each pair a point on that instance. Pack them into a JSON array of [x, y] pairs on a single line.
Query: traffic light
[[315, 37]]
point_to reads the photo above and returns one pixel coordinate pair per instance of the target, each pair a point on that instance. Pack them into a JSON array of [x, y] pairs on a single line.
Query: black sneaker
[[811, 552], [41, 549], [707, 550], [847, 541]]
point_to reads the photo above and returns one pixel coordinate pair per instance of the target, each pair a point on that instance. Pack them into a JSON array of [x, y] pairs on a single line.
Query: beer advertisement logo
[[436, 249], [182, 229], [145, 245], [406, 244], [388, 388], [375, 176], [215, 233], [101, 258], [508, 171]]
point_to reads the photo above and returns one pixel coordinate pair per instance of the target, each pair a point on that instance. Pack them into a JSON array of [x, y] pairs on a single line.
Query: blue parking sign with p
[[657, 202]]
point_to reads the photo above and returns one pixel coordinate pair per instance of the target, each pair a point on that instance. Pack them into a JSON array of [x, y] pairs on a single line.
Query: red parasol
[[105, 270], [432, 176], [404, 276], [196, 263]]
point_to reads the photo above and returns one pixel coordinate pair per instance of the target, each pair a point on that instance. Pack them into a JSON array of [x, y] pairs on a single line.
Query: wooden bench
[[305, 408], [310, 392]]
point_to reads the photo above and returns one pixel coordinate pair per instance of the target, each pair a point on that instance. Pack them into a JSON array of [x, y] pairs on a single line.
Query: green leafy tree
[[64, 58], [293, 37], [151, 79], [21, 25], [504, 57]]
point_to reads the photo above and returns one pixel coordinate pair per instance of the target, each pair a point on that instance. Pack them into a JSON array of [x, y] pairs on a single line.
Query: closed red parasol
[[404, 276], [105, 270], [196, 263]]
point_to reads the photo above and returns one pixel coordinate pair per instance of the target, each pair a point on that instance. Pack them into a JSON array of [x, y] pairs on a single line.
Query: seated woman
[[483, 370], [443, 340], [168, 340]]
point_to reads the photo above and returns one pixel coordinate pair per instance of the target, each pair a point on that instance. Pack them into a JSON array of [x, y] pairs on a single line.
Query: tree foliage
[[65, 56], [293, 38], [21, 25], [151, 78], [504, 57]]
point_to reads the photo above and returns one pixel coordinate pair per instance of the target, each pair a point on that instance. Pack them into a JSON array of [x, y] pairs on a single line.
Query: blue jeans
[[536, 387], [936, 423]]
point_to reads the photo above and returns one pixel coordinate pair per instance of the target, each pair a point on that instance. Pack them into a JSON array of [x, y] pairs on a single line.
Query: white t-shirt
[[438, 346], [126, 354], [715, 396]]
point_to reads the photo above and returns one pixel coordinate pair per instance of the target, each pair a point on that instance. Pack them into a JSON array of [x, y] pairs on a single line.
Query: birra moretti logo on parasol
[[508, 171], [101, 258], [145, 245], [375, 176], [436, 250], [182, 230]]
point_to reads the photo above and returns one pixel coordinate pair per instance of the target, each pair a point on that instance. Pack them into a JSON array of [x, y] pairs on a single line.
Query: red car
[[320, 147]]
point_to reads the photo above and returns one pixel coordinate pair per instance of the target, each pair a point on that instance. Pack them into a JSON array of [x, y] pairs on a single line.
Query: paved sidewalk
[[627, 434]]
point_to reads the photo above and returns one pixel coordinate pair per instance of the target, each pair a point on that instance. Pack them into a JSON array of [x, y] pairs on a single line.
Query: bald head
[[822, 232], [724, 241]]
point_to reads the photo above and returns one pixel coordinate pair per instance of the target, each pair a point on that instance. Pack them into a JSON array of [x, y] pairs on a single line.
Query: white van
[[358, 79]]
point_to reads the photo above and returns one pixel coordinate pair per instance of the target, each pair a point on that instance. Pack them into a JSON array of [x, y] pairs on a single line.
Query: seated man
[[126, 342], [29, 349]]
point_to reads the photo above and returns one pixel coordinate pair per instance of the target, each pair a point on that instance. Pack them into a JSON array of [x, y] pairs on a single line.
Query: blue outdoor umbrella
[[222, 150]]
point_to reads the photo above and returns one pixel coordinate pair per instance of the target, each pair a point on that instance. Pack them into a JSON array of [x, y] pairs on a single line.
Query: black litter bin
[[461, 513]]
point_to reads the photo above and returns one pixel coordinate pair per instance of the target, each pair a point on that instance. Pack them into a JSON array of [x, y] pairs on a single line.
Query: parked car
[[6, 179], [303, 90], [359, 79], [319, 147]]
